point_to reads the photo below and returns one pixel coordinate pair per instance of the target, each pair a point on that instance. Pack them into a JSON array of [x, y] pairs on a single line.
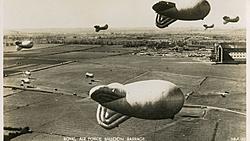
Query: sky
[[116, 13]]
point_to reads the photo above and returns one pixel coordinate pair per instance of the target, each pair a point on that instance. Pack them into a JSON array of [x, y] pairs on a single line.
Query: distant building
[[228, 54], [192, 47]]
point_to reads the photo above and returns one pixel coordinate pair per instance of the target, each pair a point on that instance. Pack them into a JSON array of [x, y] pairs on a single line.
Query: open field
[[56, 116]]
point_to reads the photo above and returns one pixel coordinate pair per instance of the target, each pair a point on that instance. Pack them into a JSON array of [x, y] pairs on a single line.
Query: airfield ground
[[60, 115]]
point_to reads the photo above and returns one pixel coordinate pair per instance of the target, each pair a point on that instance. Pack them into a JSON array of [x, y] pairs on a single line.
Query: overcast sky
[[116, 13]]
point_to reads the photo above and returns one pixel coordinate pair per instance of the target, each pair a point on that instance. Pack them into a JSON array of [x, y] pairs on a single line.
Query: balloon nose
[[162, 5], [104, 94], [94, 89], [18, 42]]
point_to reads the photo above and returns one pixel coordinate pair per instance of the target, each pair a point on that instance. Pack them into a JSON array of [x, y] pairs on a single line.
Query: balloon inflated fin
[[109, 119], [18, 48], [225, 22], [104, 94], [163, 21], [97, 28], [226, 18]]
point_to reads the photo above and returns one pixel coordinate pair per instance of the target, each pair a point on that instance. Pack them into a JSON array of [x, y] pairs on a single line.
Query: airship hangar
[[52, 102]]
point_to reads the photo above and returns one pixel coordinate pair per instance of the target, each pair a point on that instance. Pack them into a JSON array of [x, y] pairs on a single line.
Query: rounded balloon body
[[150, 99]]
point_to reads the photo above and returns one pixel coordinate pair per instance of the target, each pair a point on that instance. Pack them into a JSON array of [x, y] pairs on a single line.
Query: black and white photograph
[[124, 70]]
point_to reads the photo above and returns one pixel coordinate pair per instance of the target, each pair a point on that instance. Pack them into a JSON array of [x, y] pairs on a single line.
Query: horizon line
[[152, 28]]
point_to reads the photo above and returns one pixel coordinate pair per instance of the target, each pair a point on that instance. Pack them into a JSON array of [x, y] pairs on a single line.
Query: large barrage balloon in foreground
[[230, 20], [23, 44], [189, 10], [150, 99], [98, 28]]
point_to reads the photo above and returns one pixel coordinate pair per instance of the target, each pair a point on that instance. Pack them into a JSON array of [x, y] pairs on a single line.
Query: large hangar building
[[225, 53]]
